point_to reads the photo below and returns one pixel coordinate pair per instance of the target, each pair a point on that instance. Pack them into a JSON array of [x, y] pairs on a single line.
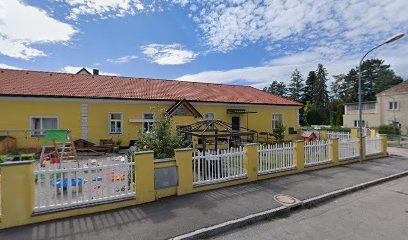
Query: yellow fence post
[[299, 154], [251, 161], [354, 133], [384, 146], [17, 192], [374, 132], [323, 134], [334, 150], [184, 163], [364, 148], [144, 176]]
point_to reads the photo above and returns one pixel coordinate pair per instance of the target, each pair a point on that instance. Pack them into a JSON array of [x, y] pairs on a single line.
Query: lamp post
[[360, 112]]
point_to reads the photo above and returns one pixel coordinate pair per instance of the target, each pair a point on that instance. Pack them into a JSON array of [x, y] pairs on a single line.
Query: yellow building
[[98, 107]]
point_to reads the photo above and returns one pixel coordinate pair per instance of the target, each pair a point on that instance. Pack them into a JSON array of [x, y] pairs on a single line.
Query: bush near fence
[[223, 168]]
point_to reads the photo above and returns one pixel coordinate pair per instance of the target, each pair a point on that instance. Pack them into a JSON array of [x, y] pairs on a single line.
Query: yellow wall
[[16, 115]]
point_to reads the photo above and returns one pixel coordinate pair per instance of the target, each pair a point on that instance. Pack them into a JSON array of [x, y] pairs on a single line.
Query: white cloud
[[123, 59], [298, 24], [280, 69], [5, 66], [22, 25], [170, 54], [104, 8], [74, 69]]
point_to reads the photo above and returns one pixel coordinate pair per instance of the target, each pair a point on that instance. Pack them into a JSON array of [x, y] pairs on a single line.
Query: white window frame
[[213, 113], [110, 120], [149, 122], [41, 130], [355, 123], [273, 121], [393, 108]]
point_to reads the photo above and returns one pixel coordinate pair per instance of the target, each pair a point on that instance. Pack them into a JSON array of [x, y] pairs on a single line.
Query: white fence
[[274, 158], [222, 165], [349, 150], [317, 153], [342, 136], [73, 184], [373, 145]]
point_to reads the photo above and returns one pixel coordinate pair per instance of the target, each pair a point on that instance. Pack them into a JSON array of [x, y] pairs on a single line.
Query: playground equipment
[[61, 149]]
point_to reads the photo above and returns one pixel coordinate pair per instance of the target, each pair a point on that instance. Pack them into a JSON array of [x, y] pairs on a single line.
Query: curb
[[257, 217]]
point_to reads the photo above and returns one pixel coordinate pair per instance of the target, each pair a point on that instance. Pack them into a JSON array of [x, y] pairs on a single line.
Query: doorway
[[236, 123]]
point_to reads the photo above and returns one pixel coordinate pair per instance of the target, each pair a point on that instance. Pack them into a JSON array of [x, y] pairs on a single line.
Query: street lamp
[[360, 112]]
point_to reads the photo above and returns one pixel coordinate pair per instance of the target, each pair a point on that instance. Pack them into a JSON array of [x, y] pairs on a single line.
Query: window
[[43, 123], [276, 118], [393, 105], [115, 123], [209, 116], [356, 123], [148, 122]]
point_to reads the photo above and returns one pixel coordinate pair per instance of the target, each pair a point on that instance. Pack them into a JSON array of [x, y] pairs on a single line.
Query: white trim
[[84, 121], [125, 101], [283, 120], [31, 124], [204, 118], [393, 109], [109, 123], [148, 120]]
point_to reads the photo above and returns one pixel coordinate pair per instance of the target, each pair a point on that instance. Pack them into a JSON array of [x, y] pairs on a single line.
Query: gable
[[183, 108]]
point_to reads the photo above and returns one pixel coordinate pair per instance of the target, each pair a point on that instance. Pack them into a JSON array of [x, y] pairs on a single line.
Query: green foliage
[[296, 86], [309, 87], [279, 132], [164, 138], [277, 88], [389, 130]]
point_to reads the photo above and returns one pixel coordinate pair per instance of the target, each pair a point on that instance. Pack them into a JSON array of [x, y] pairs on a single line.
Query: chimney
[[95, 72]]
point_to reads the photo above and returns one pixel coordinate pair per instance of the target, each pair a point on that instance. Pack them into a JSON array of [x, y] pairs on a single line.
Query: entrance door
[[235, 123]]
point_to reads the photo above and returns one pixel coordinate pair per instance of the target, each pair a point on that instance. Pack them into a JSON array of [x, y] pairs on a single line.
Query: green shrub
[[389, 130], [163, 139], [279, 132]]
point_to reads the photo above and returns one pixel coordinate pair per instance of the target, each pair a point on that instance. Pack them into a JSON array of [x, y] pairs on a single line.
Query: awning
[[239, 111]]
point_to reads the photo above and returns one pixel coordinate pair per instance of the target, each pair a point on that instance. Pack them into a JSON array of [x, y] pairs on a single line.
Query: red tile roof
[[51, 84], [400, 88]]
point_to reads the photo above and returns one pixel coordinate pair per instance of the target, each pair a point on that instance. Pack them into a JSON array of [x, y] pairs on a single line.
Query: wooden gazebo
[[216, 134]]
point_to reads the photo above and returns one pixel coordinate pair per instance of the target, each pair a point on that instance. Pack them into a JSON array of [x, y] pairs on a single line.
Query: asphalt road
[[380, 212]]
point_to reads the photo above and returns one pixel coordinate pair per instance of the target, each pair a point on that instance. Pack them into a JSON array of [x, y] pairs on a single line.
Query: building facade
[[391, 107], [95, 107]]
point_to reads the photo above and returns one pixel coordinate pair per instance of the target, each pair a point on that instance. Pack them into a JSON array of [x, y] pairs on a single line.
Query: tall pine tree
[[296, 86], [309, 87]]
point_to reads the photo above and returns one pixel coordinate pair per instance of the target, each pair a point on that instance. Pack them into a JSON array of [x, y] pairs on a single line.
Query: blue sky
[[250, 42]]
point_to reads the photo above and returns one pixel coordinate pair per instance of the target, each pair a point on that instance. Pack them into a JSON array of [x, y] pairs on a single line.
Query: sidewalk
[[173, 216]]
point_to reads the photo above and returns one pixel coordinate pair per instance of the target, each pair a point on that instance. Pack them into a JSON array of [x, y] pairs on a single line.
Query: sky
[[246, 42]]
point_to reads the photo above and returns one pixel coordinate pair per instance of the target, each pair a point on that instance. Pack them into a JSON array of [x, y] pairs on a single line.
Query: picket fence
[[317, 152], [73, 184], [349, 149], [275, 158], [342, 136], [217, 166], [373, 145]]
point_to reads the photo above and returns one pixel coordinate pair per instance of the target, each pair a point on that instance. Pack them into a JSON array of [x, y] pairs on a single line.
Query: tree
[[296, 86], [321, 95], [163, 139], [277, 88], [279, 132], [309, 87]]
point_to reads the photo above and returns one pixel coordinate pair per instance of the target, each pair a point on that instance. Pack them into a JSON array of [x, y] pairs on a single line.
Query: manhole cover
[[286, 200]]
